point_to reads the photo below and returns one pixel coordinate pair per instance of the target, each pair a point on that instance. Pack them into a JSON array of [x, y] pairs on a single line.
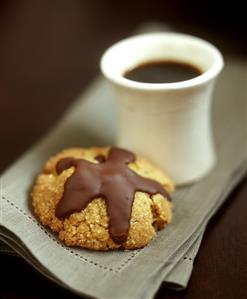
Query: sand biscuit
[[89, 228]]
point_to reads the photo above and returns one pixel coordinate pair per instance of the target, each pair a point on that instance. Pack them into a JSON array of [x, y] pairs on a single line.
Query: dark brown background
[[49, 53]]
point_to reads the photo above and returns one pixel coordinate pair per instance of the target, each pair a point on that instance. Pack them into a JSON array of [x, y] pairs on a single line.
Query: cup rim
[[205, 77]]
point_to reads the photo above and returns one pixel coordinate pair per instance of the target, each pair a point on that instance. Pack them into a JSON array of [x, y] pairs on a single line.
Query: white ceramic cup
[[166, 122]]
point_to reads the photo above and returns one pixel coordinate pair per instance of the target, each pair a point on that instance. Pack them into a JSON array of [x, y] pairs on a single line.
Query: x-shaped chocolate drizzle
[[110, 179]]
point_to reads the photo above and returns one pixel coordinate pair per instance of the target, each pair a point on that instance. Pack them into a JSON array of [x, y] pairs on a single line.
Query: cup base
[[186, 182]]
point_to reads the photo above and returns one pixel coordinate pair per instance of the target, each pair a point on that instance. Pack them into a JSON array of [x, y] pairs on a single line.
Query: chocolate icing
[[110, 179]]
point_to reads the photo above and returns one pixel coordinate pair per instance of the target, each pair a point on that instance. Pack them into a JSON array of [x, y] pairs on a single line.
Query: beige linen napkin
[[5, 249], [125, 274]]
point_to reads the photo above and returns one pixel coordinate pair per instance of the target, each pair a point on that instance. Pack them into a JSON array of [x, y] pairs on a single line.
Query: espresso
[[162, 72]]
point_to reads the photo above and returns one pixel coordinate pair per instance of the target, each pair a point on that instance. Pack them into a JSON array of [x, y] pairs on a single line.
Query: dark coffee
[[162, 72]]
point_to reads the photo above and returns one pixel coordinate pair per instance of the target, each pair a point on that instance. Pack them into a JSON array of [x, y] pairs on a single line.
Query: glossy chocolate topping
[[110, 179]]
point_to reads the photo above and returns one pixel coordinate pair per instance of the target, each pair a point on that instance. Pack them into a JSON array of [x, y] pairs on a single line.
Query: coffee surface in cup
[[166, 71]]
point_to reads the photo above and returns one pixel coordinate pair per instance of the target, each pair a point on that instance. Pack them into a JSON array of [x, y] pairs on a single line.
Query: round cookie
[[90, 227]]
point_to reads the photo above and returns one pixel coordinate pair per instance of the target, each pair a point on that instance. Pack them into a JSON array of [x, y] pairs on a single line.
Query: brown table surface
[[49, 53]]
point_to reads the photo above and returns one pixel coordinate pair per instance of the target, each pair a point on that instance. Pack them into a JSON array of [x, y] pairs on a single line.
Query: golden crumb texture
[[89, 228]]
